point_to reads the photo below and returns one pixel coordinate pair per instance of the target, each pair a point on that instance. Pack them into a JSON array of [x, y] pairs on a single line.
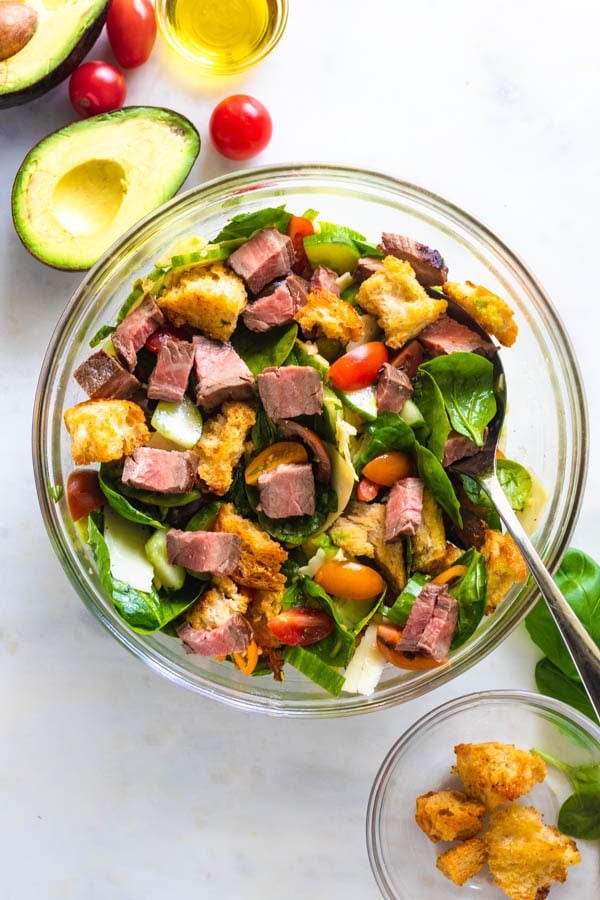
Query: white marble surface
[[113, 782]]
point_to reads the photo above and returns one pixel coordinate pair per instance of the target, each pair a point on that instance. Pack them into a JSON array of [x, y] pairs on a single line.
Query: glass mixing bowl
[[545, 427], [403, 858]]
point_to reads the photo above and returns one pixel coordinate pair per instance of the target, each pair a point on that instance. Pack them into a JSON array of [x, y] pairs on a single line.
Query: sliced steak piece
[[458, 446], [169, 378], [232, 637], [288, 428], [324, 279], [428, 265], [446, 335], [437, 635], [299, 288], [288, 490], [204, 551], [164, 471], [404, 509], [266, 256], [419, 617], [290, 391], [365, 267], [221, 374], [103, 377], [393, 389], [277, 308], [135, 329], [409, 359]]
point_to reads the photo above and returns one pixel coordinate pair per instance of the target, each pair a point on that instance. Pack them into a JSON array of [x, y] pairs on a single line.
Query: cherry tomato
[[388, 637], [273, 456], [367, 490], [84, 493], [388, 468], [163, 333], [131, 30], [359, 367], [349, 579], [96, 87], [301, 625], [240, 126], [297, 230]]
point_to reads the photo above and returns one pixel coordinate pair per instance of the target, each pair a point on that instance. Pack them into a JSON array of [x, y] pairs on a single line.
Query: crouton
[[496, 773], [206, 297], [360, 531], [505, 566], [463, 861], [429, 551], [261, 558], [104, 430], [400, 304], [327, 315], [263, 607], [449, 815], [493, 314], [217, 604], [524, 855], [221, 446]]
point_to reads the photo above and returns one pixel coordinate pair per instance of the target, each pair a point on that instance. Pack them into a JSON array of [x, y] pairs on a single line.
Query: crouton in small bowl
[[213, 476], [482, 795]]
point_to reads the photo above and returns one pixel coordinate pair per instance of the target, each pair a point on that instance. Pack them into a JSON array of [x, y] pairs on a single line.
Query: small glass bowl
[[403, 858]]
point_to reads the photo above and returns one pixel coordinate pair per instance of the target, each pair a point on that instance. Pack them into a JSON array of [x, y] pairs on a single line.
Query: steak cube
[[290, 391], [288, 490]]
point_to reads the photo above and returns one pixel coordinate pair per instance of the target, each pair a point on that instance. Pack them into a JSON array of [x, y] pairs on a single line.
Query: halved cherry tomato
[[96, 87], [367, 490], [131, 30], [359, 367], [449, 575], [300, 626], [273, 456], [84, 493], [299, 228], [161, 334], [388, 637], [344, 578], [388, 468]]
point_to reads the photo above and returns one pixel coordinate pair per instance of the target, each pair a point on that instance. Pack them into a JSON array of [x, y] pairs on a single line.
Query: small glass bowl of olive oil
[[222, 37]]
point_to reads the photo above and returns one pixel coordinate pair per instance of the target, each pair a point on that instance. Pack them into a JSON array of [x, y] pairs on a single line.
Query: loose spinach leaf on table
[[270, 348], [552, 682], [246, 224], [466, 383], [579, 815]]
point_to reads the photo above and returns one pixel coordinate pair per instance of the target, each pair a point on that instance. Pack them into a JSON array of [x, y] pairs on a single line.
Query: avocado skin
[[64, 69]]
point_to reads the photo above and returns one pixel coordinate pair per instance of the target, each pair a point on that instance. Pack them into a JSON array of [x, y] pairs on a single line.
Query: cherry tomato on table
[[359, 367], [131, 29], [96, 87], [240, 126]]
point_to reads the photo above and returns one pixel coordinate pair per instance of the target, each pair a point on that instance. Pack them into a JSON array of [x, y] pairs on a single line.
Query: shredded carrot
[[246, 663], [499, 453], [450, 574]]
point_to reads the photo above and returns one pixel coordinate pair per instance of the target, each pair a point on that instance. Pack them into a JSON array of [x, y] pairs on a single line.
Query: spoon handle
[[584, 651]]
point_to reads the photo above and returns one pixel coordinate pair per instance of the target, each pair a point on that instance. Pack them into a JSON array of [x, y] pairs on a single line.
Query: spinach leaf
[[103, 332], [271, 348], [237, 493], [246, 224], [470, 592], [351, 615], [466, 383], [204, 519], [295, 529], [515, 481], [263, 430], [400, 610], [428, 398], [553, 682], [479, 497], [579, 816], [56, 491], [365, 248], [436, 478], [121, 505], [166, 501]]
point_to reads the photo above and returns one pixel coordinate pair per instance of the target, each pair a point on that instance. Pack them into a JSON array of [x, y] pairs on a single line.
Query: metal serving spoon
[[482, 467]]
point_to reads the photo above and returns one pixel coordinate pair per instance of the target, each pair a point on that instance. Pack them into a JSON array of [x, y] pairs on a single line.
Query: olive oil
[[221, 36]]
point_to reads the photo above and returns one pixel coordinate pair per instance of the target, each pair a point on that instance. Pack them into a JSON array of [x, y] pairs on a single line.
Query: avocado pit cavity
[[88, 197]]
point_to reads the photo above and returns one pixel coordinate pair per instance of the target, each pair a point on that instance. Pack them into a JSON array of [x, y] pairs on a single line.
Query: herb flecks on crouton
[[505, 566], [105, 430], [462, 862], [495, 773], [261, 558], [449, 815], [400, 304], [492, 312], [206, 297], [327, 315], [221, 446], [216, 606]]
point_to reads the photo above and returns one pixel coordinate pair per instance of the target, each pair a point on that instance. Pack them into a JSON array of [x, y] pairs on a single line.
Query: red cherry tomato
[[301, 625], [297, 230], [96, 87], [367, 490], [84, 493], [163, 333], [359, 367], [131, 29], [240, 126]]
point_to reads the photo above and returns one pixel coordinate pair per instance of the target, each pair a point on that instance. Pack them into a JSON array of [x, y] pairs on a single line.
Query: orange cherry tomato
[[388, 637], [273, 456], [359, 367], [449, 575], [388, 468], [367, 490], [349, 579], [84, 494], [300, 626]]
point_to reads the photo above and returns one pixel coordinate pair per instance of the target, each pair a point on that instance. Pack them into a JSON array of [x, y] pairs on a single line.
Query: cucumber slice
[[362, 401], [411, 414], [171, 577], [178, 422], [333, 249], [308, 354], [125, 544]]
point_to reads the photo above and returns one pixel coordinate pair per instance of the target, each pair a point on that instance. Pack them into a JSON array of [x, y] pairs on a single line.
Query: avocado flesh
[[82, 187], [65, 32]]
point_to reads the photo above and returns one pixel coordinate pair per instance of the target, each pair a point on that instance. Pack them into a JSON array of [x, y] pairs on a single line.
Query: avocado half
[[81, 187], [66, 31]]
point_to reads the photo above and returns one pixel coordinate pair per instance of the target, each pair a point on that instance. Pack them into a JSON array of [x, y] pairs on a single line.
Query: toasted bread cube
[[400, 304], [524, 855], [264, 606], [206, 297], [493, 314], [262, 557], [505, 566], [216, 605], [463, 861], [105, 430], [496, 773], [222, 443], [449, 815], [429, 542], [329, 316]]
